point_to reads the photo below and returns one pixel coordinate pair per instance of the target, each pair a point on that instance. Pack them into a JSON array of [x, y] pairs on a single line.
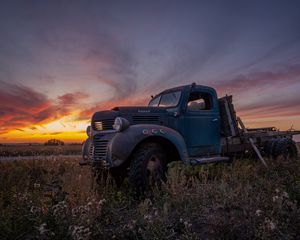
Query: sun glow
[[66, 128]]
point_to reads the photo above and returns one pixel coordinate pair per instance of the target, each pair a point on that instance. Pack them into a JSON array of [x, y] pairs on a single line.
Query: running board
[[205, 160]]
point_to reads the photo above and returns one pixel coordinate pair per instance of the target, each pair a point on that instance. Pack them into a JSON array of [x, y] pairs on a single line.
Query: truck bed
[[234, 137]]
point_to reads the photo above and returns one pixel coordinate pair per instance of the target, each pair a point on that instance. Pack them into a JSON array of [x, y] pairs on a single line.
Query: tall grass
[[59, 200]]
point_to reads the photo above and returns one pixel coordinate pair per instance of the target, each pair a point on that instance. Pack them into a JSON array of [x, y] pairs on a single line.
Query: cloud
[[53, 133], [18, 129], [22, 106], [107, 105], [112, 65], [268, 103], [285, 75], [72, 98]]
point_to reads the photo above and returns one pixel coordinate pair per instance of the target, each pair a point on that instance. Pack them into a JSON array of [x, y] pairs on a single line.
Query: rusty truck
[[187, 123]]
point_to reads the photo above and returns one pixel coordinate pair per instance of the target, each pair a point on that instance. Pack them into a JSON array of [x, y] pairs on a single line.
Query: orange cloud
[[24, 107]]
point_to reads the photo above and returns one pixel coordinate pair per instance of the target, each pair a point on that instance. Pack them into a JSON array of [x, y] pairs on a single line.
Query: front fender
[[123, 143]]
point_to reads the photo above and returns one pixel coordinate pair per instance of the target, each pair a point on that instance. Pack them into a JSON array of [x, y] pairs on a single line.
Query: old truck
[[187, 123]]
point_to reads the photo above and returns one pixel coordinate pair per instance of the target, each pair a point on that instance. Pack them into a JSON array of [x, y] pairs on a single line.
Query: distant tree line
[[54, 142]]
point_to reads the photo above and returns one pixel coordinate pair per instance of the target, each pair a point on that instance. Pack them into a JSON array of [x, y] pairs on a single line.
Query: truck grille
[[106, 124], [145, 119], [100, 149], [91, 150]]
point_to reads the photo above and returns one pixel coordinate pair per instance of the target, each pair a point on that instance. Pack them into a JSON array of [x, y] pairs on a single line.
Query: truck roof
[[184, 87]]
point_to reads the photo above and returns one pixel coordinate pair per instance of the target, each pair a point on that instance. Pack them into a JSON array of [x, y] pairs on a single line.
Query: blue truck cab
[[182, 123]]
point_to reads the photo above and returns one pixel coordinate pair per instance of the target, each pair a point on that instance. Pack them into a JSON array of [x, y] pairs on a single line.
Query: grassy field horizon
[[58, 199]]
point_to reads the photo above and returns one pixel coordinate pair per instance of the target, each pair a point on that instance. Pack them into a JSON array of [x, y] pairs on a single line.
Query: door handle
[[214, 120]]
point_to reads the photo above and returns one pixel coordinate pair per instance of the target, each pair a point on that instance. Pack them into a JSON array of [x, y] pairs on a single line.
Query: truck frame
[[187, 123]]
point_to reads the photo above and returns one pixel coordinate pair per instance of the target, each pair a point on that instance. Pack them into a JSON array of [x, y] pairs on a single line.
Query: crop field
[[58, 199]]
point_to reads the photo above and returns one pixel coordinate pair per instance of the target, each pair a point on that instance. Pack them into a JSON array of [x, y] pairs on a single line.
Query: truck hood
[[139, 109], [135, 115], [124, 111]]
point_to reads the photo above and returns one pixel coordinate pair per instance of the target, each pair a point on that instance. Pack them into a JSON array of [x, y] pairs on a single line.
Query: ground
[[58, 199]]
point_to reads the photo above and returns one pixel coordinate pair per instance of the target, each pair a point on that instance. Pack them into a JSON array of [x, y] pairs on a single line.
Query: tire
[[148, 168], [285, 149]]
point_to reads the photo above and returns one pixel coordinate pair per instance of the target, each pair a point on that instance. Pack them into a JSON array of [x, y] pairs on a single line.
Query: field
[[38, 150], [58, 199]]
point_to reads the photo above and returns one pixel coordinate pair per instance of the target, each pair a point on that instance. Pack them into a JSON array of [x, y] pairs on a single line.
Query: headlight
[[121, 124], [88, 131]]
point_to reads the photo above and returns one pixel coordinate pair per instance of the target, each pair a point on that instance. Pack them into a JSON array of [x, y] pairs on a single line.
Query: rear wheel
[[148, 168], [285, 149]]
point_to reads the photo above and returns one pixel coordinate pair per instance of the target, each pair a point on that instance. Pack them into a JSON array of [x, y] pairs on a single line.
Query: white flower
[[42, 228], [285, 194], [271, 225], [258, 212], [275, 198]]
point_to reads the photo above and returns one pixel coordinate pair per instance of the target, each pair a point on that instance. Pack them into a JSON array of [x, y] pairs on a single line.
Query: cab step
[[206, 160]]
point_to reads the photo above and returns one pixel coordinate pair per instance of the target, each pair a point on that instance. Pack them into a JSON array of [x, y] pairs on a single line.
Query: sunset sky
[[60, 61]]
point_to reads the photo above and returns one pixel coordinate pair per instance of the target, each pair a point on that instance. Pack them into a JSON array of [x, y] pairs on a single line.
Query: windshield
[[166, 100], [154, 102]]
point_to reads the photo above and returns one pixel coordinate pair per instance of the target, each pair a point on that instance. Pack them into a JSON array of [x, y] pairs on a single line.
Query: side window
[[199, 101]]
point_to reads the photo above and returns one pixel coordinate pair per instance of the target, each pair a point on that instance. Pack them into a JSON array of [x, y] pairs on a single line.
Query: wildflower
[[148, 217], [35, 210], [102, 201], [258, 212], [42, 228], [79, 232], [285, 194], [270, 225], [275, 198]]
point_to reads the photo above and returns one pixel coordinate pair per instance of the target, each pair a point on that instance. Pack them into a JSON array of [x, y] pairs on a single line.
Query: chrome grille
[[99, 149], [106, 124], [145, 119]]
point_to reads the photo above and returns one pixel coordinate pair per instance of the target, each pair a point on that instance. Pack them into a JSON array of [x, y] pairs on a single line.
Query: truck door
[[201, 123]]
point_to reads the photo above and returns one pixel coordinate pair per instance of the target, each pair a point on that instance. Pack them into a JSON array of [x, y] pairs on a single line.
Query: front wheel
[[148, 168]]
